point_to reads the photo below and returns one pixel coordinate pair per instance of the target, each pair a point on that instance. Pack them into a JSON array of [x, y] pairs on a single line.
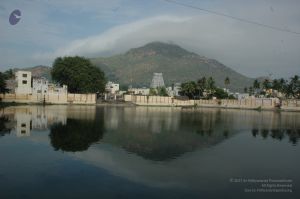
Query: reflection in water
[[278, 134], [157, 134], [189, 153], [72, 128], [4, 129], [76, 135], [161, 134]]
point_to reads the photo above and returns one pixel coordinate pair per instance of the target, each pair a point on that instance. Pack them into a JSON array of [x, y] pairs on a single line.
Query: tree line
[[285, 88], [205, 88]]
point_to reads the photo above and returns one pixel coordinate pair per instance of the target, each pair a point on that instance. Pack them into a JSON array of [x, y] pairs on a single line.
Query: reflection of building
[[28, 118], [23, 79], [24, 124], [157, 80]]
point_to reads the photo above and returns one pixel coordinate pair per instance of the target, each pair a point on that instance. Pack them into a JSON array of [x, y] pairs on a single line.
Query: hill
[[38, 71], [136, 67]]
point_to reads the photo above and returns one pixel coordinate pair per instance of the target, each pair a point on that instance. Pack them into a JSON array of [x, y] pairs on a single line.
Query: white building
[[53, 88], [23, 79], [241, 96], [39, 85], [139, 91], [174, 90], [112, 87]]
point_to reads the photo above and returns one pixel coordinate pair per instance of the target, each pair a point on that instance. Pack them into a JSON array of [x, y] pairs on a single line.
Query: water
[[147, 152]]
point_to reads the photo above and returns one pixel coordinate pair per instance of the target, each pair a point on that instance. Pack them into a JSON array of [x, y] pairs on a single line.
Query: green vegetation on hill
[[137, 66]]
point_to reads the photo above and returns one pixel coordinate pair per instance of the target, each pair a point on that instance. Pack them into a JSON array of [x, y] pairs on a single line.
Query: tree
[[266, 84], [9, 74], [220, 94], [227, 82], [162, 91], [2, 83], [201, 86], [189, 89], [293, 88], [256, 85], [79, 74], [152, 91], [246, 90], [250, 90], [211, 86]]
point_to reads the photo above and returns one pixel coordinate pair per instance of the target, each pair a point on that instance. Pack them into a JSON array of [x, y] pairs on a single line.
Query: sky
[[93, 28]]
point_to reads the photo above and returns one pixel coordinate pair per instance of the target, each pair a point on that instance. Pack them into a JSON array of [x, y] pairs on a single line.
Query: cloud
[[56, 28], [246, 48], [114, 41]]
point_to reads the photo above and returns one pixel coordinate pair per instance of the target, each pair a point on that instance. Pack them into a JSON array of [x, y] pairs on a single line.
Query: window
[[23, 125], [24, 75], [24, 81]]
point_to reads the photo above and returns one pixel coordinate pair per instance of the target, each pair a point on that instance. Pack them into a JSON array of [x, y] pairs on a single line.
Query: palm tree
[[211, 85], [256, 85], [201, 85], [227, 82], [266, 84], [295, 86], [250, 90]]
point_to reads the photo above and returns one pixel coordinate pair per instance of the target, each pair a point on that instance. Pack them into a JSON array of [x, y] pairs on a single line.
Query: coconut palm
[[256, 85]]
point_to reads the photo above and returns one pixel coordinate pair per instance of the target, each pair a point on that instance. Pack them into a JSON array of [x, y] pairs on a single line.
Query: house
[[54, 88], [40, 85], [112, 87], [174, 90], [139, 91], [24, 82]]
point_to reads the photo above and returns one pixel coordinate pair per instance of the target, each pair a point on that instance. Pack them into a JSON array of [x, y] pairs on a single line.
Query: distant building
[[139, 91], [112, 87], [157, 80], [174, 90], [24, 84], [54, 88], [40, 85], [240, 96]]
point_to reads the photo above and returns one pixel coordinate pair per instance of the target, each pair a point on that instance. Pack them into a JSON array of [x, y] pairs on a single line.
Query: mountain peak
[[160, 48]]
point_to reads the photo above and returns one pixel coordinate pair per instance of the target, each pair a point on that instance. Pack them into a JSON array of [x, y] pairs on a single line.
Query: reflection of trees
[[194, 130], [161, 146], [3, 127], [76, 135], [279, 134]]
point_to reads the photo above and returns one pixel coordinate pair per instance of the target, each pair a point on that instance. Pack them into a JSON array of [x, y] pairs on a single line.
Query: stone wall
[[249, 103], [81, 98], [50, 98]]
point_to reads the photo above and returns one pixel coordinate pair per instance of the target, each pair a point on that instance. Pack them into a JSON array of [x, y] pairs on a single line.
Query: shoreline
[[130, 104]]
